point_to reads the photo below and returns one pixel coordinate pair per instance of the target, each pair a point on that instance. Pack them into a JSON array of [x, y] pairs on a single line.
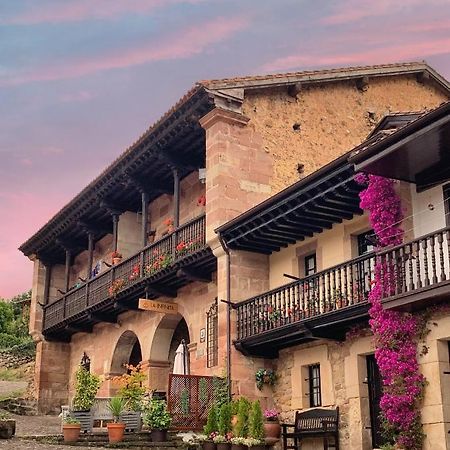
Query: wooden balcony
[[328, 303], [159, 269]]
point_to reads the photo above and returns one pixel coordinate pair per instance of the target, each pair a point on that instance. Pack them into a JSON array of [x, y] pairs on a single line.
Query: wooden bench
[[314, 423]]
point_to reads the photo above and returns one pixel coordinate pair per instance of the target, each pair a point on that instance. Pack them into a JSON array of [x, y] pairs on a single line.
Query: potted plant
[[158, 419], [211, 429], [241, 427], [256, 427], [272, 428], [116, 429], [238, 443], [116, 257], [7, 426], [131, 389], [224, 427], [254, 444], [71, 429], [265, 376], [86, 387]]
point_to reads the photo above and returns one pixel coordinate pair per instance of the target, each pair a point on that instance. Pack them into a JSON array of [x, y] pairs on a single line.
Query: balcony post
[[90, 254], [176, 198], [67, 270], [144, 196], [115, 218], [48, 275]]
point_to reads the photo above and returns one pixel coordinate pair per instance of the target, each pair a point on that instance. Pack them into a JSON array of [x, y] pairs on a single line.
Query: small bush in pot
[[211, 429], [256, 423], [116, 429], [222, 442], [86, 387], [71, 429], [241, 427], [158, 419]]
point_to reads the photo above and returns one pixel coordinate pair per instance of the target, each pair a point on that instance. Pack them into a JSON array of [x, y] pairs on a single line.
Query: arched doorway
[[127, 351], [171, 330]]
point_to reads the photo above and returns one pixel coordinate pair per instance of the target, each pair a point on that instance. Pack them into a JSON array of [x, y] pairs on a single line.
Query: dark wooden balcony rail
[[407, 268], [185, 240]]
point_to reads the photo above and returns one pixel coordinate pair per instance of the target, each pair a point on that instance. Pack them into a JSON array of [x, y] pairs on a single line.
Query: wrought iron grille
[[190, 398], [212, 343]]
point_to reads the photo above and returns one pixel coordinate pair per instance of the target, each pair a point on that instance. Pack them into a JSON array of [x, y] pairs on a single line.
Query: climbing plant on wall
[[396, 334]]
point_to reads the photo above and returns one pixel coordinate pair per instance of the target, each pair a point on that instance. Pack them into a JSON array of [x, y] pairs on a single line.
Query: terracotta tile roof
[[323, 76]]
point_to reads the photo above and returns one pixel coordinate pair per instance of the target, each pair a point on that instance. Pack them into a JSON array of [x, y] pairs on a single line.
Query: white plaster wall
[[427, 219]]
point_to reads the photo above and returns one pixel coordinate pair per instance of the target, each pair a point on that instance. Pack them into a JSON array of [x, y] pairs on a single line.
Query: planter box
[[7, 428], [86, 420], [132, 420]]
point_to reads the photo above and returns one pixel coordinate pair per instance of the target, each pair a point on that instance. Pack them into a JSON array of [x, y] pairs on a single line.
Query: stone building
[[245, 180]]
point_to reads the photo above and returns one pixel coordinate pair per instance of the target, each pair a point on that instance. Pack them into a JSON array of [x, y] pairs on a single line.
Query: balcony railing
[[149, 262], [409, 268]]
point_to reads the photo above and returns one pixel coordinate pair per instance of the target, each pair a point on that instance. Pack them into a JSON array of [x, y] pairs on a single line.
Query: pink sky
[[80, 80]]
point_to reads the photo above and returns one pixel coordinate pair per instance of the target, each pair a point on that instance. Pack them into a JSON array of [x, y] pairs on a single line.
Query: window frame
[[212, 336], [315, 385], [446, 194], [306, 259]]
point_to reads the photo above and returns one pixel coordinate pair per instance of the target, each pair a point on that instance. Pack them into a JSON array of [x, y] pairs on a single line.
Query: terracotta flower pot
[[238, 447], [115, 431], [272, 430], [159, 435], [208, 445], [224, 446], [71, 432]]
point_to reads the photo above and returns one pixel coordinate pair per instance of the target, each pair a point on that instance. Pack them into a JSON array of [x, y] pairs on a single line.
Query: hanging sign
[[155, 305]]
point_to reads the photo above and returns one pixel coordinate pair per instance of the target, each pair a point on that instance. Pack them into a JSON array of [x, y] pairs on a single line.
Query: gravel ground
[[7, 387]]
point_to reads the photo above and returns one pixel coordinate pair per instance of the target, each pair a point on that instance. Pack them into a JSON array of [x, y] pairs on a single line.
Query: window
[[447, 204], [310, 265], [315, 396], [365, 242], [212, 343]]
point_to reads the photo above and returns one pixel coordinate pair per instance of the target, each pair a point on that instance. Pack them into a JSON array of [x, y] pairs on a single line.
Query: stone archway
[[168, 335], [127, 351]]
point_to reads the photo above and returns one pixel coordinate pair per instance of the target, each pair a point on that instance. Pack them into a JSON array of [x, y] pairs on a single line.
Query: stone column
[[157, 374], [238, 172]]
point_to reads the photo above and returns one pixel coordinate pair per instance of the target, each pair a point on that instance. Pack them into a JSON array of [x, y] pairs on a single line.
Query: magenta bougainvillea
[[396, 334]]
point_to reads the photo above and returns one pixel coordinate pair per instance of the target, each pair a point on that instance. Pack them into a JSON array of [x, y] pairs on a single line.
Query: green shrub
[[9, 340], [224, 419], [117, 405], [241, 429], [86, 387], [256, 422], [156, 416], [211, 424]]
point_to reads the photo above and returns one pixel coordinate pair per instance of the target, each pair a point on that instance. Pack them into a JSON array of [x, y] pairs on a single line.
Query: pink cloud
[[23, 212], [354, 10], [80, 96], [385, 54], [184, 44], [78, 10], [26, 162], [51, 151]]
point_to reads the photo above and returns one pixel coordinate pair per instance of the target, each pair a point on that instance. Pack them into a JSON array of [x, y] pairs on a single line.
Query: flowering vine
[[396, 334]]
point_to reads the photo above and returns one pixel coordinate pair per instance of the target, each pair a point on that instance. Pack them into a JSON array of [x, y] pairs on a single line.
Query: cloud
[[80, 96], [51, 151], [354, 10], [79, 10], [181, 45], [385, 54], [25, 162]]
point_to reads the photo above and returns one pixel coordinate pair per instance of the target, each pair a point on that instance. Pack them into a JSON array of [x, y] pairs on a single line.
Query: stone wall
[[330, 119], [12, 361]]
